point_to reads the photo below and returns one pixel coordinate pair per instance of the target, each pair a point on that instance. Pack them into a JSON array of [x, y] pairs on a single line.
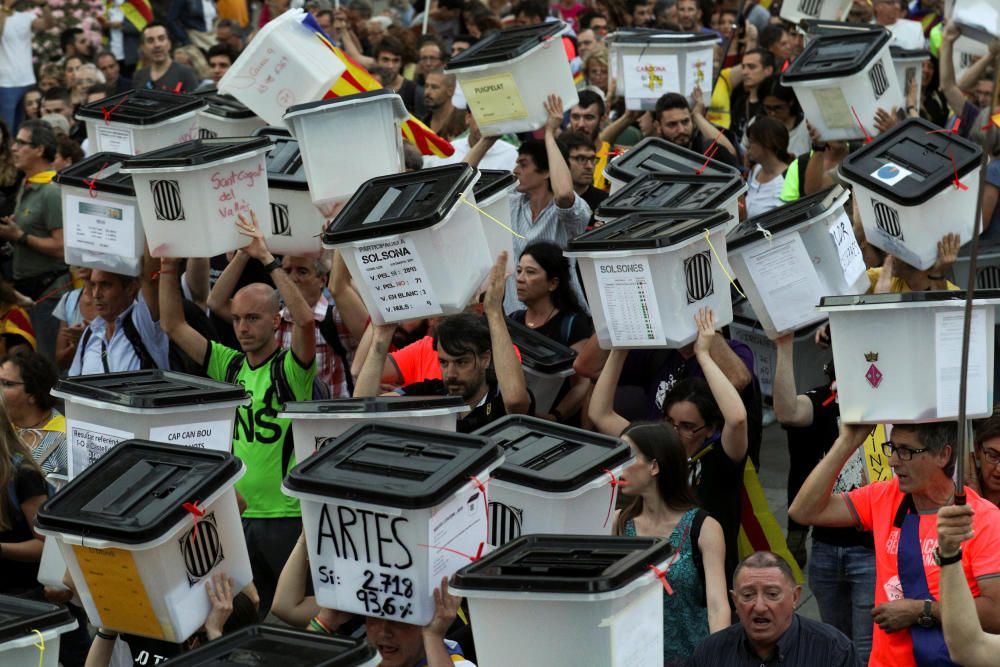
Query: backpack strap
[[696, 524], [146, 360], [567, 326], [803, 165], [233, 369], [328, 329], [278, 379]]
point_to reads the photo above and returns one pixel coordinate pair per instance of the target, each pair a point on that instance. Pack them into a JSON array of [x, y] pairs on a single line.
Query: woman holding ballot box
[[663, 504], [711, 423]]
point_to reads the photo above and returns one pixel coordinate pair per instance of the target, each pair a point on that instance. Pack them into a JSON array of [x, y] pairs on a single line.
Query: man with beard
[[477, 361], [162, 73], [442, 116], [674, 121]]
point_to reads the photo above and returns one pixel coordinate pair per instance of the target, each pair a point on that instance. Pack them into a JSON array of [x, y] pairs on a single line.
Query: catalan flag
[[14, 321], [759, 530], [356, 79], [138, 12]]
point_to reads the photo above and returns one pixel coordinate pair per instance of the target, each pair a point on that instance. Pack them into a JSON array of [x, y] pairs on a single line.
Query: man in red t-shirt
[[902, 515]]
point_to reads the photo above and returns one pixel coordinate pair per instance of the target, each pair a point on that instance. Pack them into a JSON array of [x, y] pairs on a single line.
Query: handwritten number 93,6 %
[[379, 594]]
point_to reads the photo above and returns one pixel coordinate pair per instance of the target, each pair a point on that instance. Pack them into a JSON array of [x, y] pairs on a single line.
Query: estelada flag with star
[[356, 79]]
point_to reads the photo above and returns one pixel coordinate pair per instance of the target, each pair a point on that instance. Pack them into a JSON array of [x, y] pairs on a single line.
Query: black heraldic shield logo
[[167, 200], [698, 276], [202, 552]]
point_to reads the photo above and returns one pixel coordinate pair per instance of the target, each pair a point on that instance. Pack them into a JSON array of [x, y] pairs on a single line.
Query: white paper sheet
[[113, 139], [699, 72], [834, 108], [629, 302], [786, 280], [651, 75], [393, 271], [100, 226], [948, 357], [848, 250], [89, 442]]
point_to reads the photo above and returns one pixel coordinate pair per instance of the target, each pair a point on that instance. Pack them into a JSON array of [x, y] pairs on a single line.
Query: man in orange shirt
[[902, 515]]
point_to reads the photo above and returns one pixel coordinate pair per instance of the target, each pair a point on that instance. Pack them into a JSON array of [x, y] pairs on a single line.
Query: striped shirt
[[329, 367], [554, 224]]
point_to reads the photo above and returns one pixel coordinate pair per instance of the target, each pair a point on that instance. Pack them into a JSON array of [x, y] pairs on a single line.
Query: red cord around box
[[197, 513], [953, 130], [612, 483], [107, 113], [959, 185], [479, 551], [662, 576], [868, 137], [486, 505], [92, 183]]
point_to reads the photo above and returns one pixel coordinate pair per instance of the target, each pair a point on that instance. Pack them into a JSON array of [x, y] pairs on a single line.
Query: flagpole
[[427, 16]]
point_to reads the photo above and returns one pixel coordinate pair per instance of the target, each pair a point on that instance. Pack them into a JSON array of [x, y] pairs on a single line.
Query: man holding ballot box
[[272, 376], [901, 513]]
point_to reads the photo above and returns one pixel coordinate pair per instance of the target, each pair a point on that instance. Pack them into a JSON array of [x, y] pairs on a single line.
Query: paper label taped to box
[[494, 99]]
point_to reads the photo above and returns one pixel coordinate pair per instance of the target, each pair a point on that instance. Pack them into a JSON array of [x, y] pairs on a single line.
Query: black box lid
[[945, 297], [781, 218], [400, 203], [284, 161], [225, 106], [538, 351], [552, 457], [900, 52], [20, 616], [655, 36], [104, 169], [492, 181], [657, 155], [817, 27], [141, 107], [150, 389], [378, 93], [197, 152], [658, 191], [136, 491], [394, 466], [836, 56], [504, 45], [933, 157], [639, 231], [586, 564], [374, 405], [271, 646]]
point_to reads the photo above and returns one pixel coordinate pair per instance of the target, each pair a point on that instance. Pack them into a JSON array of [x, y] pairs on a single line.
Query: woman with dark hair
[[27, 377], [768, 155], [664, 505], [934, 105], [10, 176], [781, 104], [984, 473], [553, 309], [711, 424], [24, 491]]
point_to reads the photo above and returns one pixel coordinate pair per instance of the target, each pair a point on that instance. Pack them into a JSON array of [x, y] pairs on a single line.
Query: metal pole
[[740, 20], [427, 16]]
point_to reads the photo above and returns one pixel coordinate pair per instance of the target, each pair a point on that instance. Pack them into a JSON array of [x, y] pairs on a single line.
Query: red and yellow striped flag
[[759, 530], [138, 12], [356, 79]]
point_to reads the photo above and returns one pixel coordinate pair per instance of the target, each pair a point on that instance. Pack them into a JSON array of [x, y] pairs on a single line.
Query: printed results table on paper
[[629, 302]]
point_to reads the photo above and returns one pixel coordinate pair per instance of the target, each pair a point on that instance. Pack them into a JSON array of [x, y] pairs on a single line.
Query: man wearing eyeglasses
[[902, 515], [582, 158]]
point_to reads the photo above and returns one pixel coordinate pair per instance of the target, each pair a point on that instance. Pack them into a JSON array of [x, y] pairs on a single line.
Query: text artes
[[364, 536]]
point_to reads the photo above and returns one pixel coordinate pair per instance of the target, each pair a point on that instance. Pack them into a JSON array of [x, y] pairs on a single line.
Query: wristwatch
[[946, 560], [926, 619], [274, 264]]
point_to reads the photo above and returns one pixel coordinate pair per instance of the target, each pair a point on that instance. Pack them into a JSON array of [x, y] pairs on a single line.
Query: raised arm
[[611, 133], [369, 382], [479, 151], [815, 504], [221, 297], [149, 284], [559, 175], [303, 321], [197, 272], [348, 301], [172, 313], [790, 407], [734, 414], [602, 401], [946, 61], [510, 374], [291, 604], [706, 128]]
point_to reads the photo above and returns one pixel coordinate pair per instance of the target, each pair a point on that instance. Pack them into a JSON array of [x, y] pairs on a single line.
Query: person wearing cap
[[272, 376], [902, 514], [765, 595]]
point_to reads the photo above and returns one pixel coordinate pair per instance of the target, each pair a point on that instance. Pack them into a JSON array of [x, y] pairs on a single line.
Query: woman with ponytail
[[769, 158]]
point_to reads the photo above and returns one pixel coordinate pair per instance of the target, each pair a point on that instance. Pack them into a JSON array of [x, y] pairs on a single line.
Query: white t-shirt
[[15, 51], [763, 197], [907, 34], [501, 155]]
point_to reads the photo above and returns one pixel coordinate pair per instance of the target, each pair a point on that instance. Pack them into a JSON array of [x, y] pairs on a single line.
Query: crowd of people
[[885, 555]]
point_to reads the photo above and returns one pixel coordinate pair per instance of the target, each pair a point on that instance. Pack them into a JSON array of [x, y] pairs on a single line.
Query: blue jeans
[[10, 106], [843, 581]]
